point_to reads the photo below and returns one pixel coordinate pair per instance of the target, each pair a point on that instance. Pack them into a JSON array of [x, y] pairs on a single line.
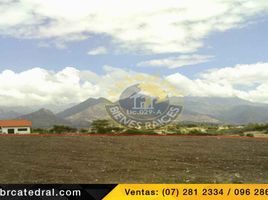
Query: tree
[[101, 126], [62, 129], [105, 126]]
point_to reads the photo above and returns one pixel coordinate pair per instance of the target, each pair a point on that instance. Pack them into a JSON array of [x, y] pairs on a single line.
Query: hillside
[[44, 118], [81, 115], [223, 110], [196, 110]]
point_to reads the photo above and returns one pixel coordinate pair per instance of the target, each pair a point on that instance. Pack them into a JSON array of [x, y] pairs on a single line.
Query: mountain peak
[[44, 110], [82, 106], [43, 118]]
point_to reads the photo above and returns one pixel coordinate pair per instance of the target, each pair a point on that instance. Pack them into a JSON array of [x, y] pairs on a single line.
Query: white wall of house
[[15, 130]]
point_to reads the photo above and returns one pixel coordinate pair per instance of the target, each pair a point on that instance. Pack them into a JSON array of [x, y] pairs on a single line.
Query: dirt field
[[135, 159]]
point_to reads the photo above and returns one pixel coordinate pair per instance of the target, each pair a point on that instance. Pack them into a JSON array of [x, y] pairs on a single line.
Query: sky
[[65, 51]]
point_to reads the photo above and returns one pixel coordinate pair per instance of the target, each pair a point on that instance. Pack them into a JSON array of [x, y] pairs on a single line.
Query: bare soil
[[132, 159]]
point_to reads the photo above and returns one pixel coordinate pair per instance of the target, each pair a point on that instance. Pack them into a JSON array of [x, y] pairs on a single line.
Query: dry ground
[[132, 159]]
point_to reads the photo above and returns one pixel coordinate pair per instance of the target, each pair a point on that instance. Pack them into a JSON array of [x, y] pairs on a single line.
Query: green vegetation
[[215, 129], [106, 126], [140, 131], [57, 129], [250, 135], [85, 131], [257, 127], [40, 131]]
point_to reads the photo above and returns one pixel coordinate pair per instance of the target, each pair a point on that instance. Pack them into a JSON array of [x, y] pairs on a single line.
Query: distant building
[[15, 126]]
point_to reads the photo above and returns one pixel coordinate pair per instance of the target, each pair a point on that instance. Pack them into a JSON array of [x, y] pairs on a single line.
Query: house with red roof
[[15, 126]]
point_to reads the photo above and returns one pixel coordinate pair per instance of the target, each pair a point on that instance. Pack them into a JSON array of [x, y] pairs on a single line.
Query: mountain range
[[195, 110]]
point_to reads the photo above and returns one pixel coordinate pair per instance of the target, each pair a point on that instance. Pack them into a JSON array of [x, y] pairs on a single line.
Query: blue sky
[[245, 45], [185, 42]]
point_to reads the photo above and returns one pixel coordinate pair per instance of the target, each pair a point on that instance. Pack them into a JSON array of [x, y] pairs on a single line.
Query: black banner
[[57, 191]]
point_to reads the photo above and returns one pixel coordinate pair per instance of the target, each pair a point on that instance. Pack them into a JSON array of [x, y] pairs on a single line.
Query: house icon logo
[[141, 101], [144, 105]]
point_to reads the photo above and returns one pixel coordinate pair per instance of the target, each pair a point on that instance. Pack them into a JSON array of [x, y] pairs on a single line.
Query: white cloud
[[248, 82], [200, 87], [39, 86], [151, 26], [97, 51], [175, 62], [247, 74]]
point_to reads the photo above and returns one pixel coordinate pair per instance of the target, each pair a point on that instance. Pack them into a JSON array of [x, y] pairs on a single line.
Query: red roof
[[16, 123]]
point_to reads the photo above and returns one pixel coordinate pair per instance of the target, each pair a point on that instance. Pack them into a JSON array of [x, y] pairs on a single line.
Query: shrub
[[198, 132], [139, 131], [250, 135], [180, 131], [83, 131], [58, 129], [100, 126], [40, 130], [105, 126], [191, 125], [256, 127]]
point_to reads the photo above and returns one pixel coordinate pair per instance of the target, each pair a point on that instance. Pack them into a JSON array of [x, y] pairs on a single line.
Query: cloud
[[200, 87], [175, 62], [249, 82], [38, 86], [151, 26], [97, 51], [247, 74]]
